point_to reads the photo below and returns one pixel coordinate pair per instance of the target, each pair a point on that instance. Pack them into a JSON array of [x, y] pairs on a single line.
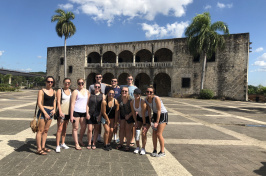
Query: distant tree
[[64, 27], [203, 39]]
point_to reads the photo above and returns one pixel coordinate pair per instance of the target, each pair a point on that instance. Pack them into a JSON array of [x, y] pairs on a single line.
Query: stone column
[[116, 61], [134, 60], [101, 63], [152, 61]]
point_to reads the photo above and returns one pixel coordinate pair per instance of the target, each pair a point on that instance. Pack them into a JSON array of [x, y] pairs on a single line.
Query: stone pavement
[[203, 137]]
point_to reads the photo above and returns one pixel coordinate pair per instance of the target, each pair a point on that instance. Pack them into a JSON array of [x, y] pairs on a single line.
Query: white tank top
[[81, 102], [139, 109], [65, 98], [153, 105]]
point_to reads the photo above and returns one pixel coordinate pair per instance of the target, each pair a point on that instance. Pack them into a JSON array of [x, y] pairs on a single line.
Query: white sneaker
[[142, 151], [136, 150], [57, 150], [64, 146]]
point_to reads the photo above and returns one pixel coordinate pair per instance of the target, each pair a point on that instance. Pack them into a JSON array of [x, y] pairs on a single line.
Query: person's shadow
[[261, 170]]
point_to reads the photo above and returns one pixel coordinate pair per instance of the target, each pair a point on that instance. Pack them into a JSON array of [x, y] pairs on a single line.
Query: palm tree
[[203, 38], [64, 27]]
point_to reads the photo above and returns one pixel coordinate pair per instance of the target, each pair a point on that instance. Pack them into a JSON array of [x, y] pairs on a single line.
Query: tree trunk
[[65, 60], [203, 71]]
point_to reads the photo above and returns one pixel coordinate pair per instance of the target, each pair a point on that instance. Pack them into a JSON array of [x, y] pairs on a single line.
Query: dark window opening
[[89, 60], [70, 69], [185, 82], [196, 58], [61, 61], [212, 59]]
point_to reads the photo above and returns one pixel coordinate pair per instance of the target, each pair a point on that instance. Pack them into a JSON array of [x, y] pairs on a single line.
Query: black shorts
[[67, 117], [130, 120], [140, 119], [79, 114], [163, 118], [93, 120]]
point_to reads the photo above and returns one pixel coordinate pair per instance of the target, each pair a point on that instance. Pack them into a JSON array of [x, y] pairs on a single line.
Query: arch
[[142, 81], [90, 80], [125, 56], [163, 55], [143, 56], [107, 77], [94, 57], [122, 78], [162, 84], [109, 57]]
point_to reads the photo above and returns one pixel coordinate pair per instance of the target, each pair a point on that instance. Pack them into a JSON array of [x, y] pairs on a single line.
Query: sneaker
[[154, 153], [64, 146], [136, 150], [58, 149], [161, 154], [106, 148], [109, 146], [142, 151]]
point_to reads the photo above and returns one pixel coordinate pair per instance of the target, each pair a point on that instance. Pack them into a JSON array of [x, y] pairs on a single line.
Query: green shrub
[[206, 94]]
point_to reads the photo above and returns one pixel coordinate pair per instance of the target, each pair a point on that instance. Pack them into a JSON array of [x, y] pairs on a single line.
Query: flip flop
[[93, 147], [40, 152], [132, 144], [46, 150], [89, 147], [78, 148]]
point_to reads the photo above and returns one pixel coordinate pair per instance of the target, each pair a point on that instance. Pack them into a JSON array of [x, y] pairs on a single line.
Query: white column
[[101, 63], [134, 60], [116, 61], [152, 61]]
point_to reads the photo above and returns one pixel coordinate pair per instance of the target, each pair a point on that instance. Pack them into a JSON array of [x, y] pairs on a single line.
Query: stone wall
[[226, 76]]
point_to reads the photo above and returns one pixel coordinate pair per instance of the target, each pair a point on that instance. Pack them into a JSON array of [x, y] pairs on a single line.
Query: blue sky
[[26, 29]]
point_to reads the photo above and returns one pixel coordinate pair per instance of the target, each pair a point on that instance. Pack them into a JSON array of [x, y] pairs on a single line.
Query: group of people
[[110, 106]]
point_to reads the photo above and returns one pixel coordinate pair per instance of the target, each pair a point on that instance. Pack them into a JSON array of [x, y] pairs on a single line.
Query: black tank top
[[95, 102], [48, 100], [111, 110]]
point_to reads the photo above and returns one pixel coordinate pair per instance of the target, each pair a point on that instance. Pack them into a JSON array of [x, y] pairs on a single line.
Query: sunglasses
[[50, 82], [97, 87], [98, 77], [149, 92], [114, 81], [111, 93], [80, 83], [129, 79], [67, 83], [124, 91]]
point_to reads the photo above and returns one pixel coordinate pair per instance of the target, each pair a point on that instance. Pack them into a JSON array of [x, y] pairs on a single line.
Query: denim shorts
[[48, 111]]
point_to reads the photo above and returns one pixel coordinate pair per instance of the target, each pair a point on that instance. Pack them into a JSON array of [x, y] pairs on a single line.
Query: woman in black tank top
[[47, 105], [94, 104], [109, 109]]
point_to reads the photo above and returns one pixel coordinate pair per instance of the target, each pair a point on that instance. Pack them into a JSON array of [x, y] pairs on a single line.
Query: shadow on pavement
[[261, 170], [249, 110]]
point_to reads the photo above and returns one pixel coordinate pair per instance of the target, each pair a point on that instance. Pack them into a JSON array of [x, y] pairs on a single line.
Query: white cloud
[[1, 53], [258, 50], [260, 63], [263, 69], [221, 5], [207, 7], [170, 30], [108, 10], [262, 57], [40, 57], [26, 70], [67, 6]]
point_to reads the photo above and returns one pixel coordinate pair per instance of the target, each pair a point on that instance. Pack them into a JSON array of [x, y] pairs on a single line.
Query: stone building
[[166, 64]]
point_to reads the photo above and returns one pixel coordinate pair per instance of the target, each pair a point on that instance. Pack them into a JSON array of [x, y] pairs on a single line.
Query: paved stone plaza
[[203, 137]]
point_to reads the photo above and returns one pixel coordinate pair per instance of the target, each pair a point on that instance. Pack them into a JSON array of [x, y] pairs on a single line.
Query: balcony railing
[[128, 65]]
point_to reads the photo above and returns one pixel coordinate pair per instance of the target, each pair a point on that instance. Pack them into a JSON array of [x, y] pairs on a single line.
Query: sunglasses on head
[[81, 83], [97, 87], [49, 82], [149, 92]]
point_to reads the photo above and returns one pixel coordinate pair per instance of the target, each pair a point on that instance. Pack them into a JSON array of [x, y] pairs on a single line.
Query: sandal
[[127, 148], [132, 144], [89, 147], [40, 152], [119, 147], [78, 147], [93, 147], [46, 150]]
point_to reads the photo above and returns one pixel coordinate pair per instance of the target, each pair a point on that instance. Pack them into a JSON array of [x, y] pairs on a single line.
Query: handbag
[[34, 123]]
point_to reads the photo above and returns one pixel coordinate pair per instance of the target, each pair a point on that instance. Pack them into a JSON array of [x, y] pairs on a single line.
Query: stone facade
[[166, 64]]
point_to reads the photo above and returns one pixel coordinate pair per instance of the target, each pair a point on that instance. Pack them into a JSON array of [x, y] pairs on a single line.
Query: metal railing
[[128, 65]]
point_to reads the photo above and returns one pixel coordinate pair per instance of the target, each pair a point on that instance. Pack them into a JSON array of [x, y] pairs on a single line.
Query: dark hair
[[98, 74], [100, 87], [52, 78], [66, 79], [114, 78], [151, 87], [130, 76]]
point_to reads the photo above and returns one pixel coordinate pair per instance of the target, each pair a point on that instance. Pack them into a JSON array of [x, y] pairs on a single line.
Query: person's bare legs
[[39, 134], [111, 130], [46, 128], [83, 127], [59, 131], [75, 132], [122, 131], [106, 134], [64, 131], [89, 135], [144, 136], [160, 130], [128, 132]]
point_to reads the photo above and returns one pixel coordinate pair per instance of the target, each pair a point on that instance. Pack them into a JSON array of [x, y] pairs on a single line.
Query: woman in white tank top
[[159, 119], [79, 111], [63, 100], [142, 119]]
